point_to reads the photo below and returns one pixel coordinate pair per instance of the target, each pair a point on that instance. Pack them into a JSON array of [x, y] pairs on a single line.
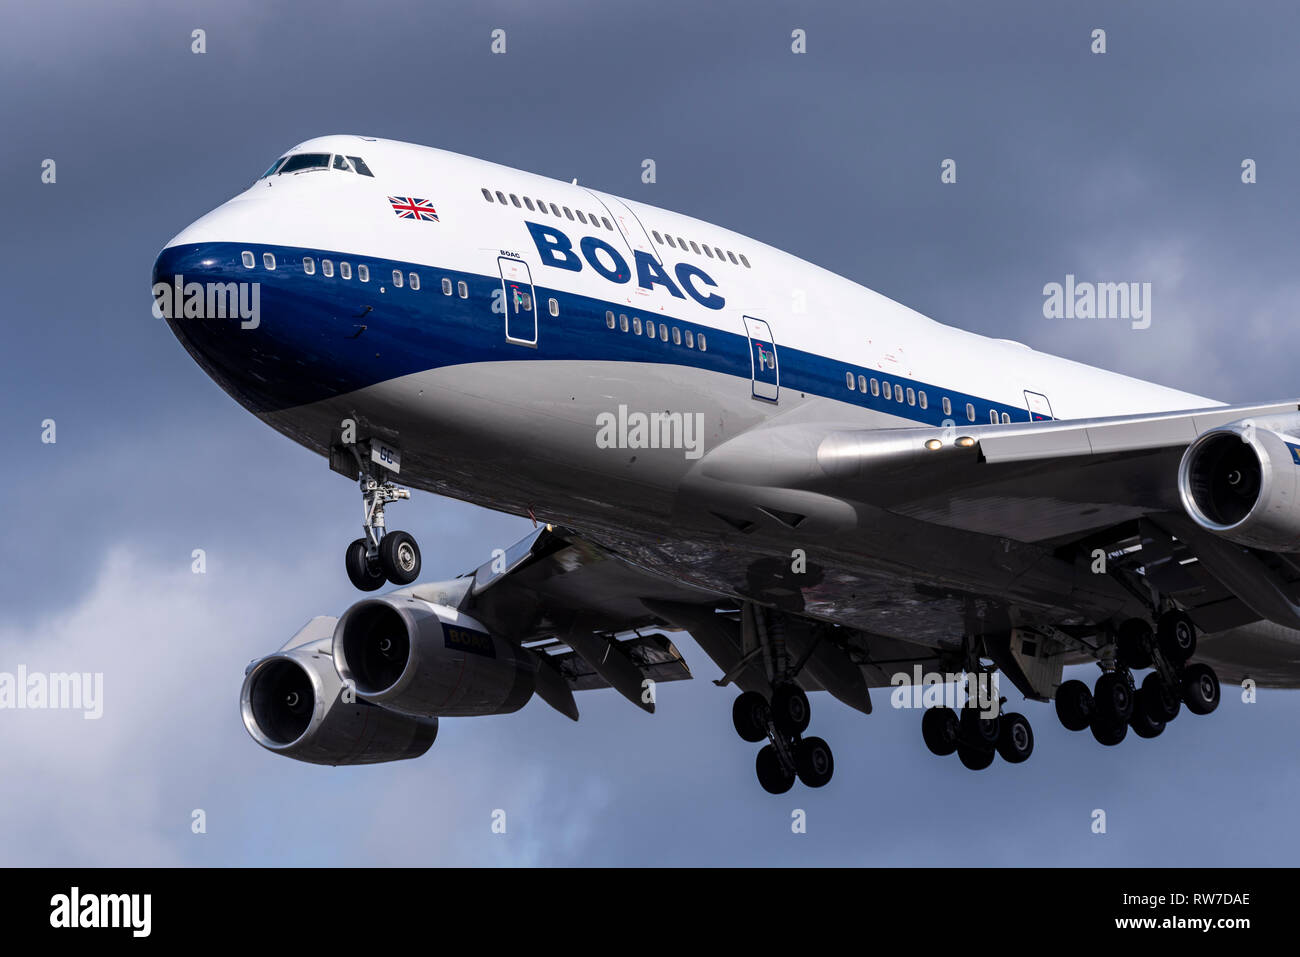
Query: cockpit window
[[305, 161], [341, 162], [360, 166], [274, 166]]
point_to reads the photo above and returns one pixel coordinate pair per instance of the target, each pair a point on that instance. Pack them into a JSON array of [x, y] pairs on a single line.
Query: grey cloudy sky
[[1122, 167]]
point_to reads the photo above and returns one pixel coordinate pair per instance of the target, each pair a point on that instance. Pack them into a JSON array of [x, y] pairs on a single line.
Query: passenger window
[[501, 197], [650, 328], [690, 339], [345, 270], [719, 252], [309, 265], [556, 210], [360, 166], [875, 387], [925, 403], [463, 289], [486, 194], [663, 332], [607, 225], [636, 325], [911, 396], [622, 322], [327, 267], [743, 261], [849, 381], [268, 260], [682, 243], [970, 411], [707, 251], [248, 260], [568, 213], [677, 336], [704, 346], [659, 239], [888, 389], [1006, 419], [529, 203], [732, 257], [446, 286], [695, 247], [671, 244], [609, 319], [862, 384], [515, 199], [397, 278], [363, 272], [415, 281], [582, 218], [898, 392], [555, 307]]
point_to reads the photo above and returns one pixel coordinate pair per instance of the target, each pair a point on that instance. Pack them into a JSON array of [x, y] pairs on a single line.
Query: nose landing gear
[[381, 555]]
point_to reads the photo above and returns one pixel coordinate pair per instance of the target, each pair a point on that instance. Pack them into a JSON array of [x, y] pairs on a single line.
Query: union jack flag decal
[[408, 207]]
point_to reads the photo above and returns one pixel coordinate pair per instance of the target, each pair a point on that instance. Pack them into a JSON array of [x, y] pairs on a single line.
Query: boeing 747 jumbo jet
[[827, 490]]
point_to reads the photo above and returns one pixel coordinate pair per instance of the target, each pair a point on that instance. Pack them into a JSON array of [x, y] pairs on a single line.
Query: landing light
[[965, 442], [933, 444]]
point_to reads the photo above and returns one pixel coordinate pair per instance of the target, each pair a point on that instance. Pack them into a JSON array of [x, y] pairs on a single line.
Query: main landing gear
[[788, 755], [1117, 703], [977, 737], [381, 555], [783, 718]]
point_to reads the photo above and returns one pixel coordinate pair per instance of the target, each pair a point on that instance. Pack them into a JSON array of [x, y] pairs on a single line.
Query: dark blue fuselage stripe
[[321, 336]]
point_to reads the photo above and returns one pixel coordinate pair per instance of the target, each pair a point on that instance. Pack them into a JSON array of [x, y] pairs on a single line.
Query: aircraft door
[[765, 375], [519, 302], [1040, 410]]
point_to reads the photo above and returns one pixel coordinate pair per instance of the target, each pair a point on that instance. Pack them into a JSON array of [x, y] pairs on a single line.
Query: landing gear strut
[[381, 555]]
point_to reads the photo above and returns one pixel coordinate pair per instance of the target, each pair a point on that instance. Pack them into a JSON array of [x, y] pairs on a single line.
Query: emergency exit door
[[765, 374]]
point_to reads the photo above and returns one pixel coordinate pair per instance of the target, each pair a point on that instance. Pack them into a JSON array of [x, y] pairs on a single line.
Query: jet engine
[[421, 658], [1240, 482], [292, 704]]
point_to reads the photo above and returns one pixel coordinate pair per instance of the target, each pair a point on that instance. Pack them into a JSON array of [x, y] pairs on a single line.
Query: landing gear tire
[[1145, 726], [941, 730], [975, 758], [1200, 689], [1160, 702], [1015, 738], [750, 714], [978, 731], [1107, 733], [814, 762], [1114, 697], [772, 773], [1176, 636], [1075, 705], [790, 710], [360, 571], [399, 556]]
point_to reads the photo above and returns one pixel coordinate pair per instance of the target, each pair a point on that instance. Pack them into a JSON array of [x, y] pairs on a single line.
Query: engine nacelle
[[420, 658], [1240, 481], [292, 705]]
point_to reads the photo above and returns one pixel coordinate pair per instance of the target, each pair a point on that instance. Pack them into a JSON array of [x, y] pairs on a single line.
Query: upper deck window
[[305, 161]]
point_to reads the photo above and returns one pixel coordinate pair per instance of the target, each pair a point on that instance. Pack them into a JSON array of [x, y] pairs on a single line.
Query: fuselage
[[504, 330]]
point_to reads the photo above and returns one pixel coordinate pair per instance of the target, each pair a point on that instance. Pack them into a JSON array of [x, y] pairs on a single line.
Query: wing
[[1076, 487]]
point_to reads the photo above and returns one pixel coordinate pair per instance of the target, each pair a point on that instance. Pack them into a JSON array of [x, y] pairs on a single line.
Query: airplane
[[827, 490]]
